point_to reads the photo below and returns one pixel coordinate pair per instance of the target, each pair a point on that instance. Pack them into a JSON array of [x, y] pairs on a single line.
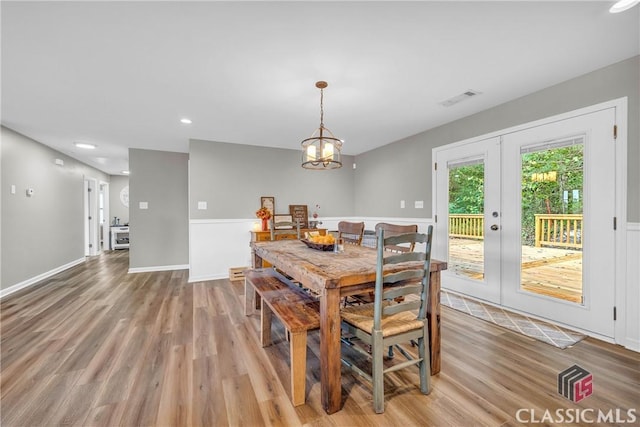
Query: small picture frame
[[282, 218], [268, 202], [300, 213]]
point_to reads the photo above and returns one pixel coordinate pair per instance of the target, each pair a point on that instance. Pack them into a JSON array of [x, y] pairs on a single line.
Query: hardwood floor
[[95, 346]]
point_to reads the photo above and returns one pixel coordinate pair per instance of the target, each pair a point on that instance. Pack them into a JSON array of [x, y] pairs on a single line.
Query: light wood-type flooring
[[95, 346]]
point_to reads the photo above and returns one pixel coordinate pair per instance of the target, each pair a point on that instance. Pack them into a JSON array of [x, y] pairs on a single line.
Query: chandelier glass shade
[[322, 150]]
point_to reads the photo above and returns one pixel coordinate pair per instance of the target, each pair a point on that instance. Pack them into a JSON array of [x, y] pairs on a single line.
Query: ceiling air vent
[[466, 95]]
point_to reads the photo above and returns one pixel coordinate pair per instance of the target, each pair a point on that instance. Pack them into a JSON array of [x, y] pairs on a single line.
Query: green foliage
[[466, 189], [564, 195]]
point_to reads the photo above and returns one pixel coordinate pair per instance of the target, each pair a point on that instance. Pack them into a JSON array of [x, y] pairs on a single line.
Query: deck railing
[[469, 226], [563, 231]]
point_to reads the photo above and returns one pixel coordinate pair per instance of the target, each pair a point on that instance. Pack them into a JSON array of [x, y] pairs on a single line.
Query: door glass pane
[[466, 219], [552, 232]]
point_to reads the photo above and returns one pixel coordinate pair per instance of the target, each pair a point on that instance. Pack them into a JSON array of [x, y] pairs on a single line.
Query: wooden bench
[[297, 311]]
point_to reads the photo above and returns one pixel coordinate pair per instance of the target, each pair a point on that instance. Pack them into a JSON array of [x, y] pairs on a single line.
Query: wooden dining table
[[333, 276]]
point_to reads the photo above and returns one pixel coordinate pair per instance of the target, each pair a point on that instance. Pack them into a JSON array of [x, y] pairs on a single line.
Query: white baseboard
[[193, 279], [632, 344], [39, 277], [159, 268]]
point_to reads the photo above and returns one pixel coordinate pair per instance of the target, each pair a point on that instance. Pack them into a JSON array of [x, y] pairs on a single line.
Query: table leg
[[330, 379], [433, 316], [257, 260]]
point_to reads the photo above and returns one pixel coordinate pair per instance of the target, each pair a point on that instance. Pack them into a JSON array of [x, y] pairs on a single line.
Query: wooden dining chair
[[386, 322], [351, 232], [282, 229], [395, 229], [389, 230]]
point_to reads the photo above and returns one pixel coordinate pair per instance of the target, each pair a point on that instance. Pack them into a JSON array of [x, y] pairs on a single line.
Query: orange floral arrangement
[[263, 213]]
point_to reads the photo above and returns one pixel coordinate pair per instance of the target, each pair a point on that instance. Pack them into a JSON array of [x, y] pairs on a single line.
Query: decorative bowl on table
[[318, 246]]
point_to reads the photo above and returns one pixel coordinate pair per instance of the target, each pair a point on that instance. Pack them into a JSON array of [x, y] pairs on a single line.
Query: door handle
[[494, 227]]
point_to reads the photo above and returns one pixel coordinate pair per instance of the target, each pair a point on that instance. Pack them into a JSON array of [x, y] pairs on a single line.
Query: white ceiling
[[122, 74]]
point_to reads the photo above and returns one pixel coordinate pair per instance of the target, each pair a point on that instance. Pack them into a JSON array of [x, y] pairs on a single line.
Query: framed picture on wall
[[268, 202], [300, 212]]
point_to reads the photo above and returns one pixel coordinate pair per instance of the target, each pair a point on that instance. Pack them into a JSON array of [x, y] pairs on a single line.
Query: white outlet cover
[[202, 205], [401, 204], [419, 204], [144, 205]]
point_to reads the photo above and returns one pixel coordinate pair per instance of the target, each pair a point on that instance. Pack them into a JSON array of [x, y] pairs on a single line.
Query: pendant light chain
[[321, 107]]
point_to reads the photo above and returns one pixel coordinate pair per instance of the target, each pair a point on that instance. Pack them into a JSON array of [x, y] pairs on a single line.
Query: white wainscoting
[[633, 288], [215, 245]]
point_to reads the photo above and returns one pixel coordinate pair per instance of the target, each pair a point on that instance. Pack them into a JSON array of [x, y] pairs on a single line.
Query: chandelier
[[321, 150]]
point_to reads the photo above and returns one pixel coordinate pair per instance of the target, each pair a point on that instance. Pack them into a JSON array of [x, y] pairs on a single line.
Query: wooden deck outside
[[547, 271]]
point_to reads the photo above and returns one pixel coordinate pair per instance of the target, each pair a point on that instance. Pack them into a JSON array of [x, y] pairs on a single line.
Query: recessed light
[[623, 5], [186, 121], [85, 145], [125, 172]]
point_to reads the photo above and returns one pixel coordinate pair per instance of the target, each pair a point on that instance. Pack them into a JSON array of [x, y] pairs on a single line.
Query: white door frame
[[91, 225], [620, 105]]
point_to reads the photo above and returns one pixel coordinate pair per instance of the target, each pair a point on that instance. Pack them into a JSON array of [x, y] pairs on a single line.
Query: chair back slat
[[401, 291], [416, 275], [404, 257], [284, 228], [401, 306], [406, 238]]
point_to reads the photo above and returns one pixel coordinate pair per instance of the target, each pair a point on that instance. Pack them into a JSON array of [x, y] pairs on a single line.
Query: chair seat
[[361, 316]]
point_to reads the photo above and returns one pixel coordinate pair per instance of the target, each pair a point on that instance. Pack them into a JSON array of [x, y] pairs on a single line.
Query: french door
[[525, 220], [468, 211]]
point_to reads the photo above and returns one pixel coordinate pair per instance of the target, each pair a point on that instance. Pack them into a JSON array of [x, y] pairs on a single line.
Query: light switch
[[13, 189], [419, 204], [144, 205], [401, 204], [202, 206]]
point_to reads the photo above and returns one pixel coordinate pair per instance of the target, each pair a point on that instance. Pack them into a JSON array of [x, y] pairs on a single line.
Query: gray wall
[[116, 208], [231, 178], [45, 231], [409, 160], [159, 235]]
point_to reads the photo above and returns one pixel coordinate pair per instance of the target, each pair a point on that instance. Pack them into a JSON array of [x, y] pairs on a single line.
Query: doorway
[[525, 218], [103, 215]]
